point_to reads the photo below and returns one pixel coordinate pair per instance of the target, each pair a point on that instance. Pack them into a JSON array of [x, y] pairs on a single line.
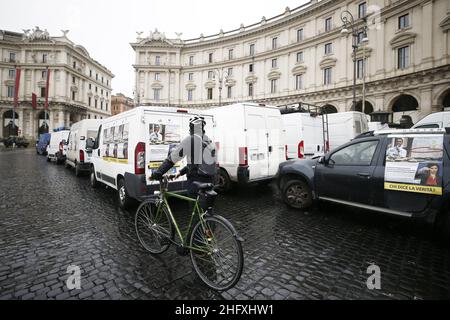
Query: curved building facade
[[302, 55]]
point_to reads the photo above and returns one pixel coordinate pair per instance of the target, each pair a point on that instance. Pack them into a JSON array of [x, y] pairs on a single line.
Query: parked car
[[77, 156], [130, 145], [18, 141], [250, 142], [42, 143], [55, 150], [398, 172]]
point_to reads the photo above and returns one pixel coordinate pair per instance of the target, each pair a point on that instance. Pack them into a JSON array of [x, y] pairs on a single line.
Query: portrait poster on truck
[[162, 139], [414, 163]]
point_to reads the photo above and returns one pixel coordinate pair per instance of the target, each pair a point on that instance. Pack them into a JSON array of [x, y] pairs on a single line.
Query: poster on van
[[414, 163]]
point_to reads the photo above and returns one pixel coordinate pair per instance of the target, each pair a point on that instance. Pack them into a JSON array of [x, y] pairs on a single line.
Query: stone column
[[426, 102], [146, 85], [50, 124], [427, 34], [61, 118], [67, 119], [21, 122], [381, 48], [33, 130]]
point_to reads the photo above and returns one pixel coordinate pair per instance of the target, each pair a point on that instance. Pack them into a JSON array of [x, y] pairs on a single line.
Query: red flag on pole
[[46, 88], [34, 100], [16, 88]]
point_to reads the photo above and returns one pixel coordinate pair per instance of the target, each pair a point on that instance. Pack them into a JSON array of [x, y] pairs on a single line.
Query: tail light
[[139, 158], [61, 146], [301, 150], [81, 156], [243, 156], [285, 152]]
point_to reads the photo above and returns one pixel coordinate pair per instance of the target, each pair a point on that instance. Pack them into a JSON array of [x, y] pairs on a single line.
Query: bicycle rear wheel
[[216, 253], [154, 229]]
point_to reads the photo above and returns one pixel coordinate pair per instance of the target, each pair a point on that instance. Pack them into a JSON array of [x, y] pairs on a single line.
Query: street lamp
[[221, 74], [350, 28]]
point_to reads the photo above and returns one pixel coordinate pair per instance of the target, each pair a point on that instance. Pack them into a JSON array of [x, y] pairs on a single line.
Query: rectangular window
[[96, 89], [190, 94], [250, 67], [156, 94], [73, 95], [403, 21], [191, 60], [273, 86], [96, 76], [300, 56], [360, 68], [210, 75], [327, 76], [157, 76], [95, 103], [101, 105], [44, 58], [106, 106], [12, 73], [102, 79], [44, 74], [250, 89], [90, 73], [191, 77], [89, 101], [274, 43], [107, 94], [11, 91], [42, 92], [298, 82], [90, 86], [328, 24], [252, 49], [74, 64], [360, 37], [12, 57], [230, 54], [210, 93], [101, 91], [158, 60], [274, 63], [362, 10], [210, 58], [107, 82], [230, 72], [328, 48], [403, 57], [299, 34], [229, 92]]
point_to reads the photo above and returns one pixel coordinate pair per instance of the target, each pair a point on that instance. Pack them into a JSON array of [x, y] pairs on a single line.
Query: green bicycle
[[214, 245]]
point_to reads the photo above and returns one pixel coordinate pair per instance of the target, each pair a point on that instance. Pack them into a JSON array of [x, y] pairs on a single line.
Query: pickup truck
[[399, 172]]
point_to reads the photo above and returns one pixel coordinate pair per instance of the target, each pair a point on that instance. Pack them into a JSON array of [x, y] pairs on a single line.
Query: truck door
[[276, 144], [163, 132], [257, 144]]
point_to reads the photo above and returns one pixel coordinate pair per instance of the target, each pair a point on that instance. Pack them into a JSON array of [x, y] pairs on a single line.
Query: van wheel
[[48, 159], [93, 179], [297, 194], [223, 181], [122, 196]]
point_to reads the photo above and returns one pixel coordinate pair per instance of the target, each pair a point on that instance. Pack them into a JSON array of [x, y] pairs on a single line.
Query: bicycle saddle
[[203, 186]]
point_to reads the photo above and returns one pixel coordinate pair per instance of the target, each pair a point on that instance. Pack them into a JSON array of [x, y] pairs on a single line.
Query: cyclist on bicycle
[[201, 157]]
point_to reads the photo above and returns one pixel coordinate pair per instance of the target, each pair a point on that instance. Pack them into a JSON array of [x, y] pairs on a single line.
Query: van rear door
[[163, 131], [256, 143], [276, 143]]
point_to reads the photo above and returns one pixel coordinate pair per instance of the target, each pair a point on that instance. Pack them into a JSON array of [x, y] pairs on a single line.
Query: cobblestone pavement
[[49, 219]]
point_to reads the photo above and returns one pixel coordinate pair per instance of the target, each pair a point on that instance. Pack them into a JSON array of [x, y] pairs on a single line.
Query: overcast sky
[[105, 28]]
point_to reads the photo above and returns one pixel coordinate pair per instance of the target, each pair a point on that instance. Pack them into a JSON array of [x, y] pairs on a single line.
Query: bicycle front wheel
[[216, 253], [153, 227]]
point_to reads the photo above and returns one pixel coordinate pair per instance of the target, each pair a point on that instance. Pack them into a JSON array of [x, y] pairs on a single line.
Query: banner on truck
[[414, 163]]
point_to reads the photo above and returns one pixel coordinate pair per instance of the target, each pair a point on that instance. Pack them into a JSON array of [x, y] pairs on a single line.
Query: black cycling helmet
[[197, 124]]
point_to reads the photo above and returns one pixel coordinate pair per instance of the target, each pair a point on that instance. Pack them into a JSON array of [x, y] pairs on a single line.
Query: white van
[[130, 145], [250, 142], [55, 150], [76, 155], [304, 134], [344, 126], [434, 120]]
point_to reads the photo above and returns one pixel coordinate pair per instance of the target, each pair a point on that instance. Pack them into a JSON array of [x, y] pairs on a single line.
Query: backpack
[[207, 170]]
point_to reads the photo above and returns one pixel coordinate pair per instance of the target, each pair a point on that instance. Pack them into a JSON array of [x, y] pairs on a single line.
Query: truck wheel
[[93, 179], [122, 196], [48, 159], [297, 194], [223, 181]]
